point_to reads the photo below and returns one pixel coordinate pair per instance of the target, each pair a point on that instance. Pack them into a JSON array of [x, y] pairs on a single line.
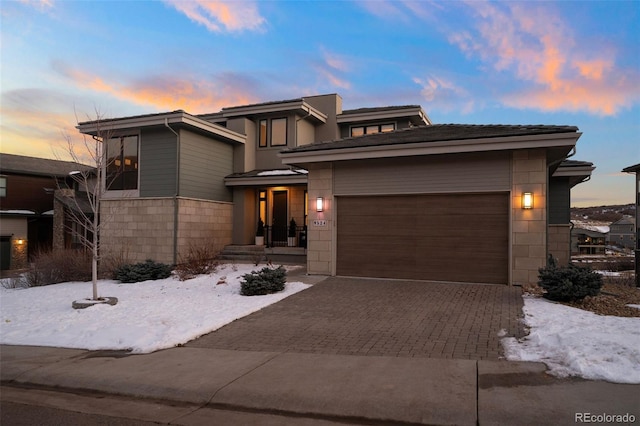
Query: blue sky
[[571, 62]]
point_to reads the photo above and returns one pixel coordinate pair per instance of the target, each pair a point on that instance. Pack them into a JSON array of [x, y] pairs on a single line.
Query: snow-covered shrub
[[14, 282], [148, 270], [266, 281], [200, 259], [58, 266], [568, 283]]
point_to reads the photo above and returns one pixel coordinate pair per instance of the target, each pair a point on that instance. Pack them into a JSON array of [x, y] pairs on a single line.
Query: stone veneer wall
[[17, 228], [203, 222], [559, 242], [143, 228], [59, 218], [528, 227], [320, 239]]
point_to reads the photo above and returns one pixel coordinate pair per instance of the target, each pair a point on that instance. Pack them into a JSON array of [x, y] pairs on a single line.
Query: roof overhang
[[577, 173], [564, 142], [632, 169], [267, 178], [175, 118], [416, 115], [299, 107]]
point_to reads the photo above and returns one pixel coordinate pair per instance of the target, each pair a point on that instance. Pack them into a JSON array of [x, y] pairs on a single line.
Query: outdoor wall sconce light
[[20, 242], [527, 200], [319, 204]]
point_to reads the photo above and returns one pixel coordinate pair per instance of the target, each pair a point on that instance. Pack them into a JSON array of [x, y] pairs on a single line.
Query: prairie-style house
[[376, 192]]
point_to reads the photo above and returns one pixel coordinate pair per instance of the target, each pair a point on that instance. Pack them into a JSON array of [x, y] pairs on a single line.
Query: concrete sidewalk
[[335, 388]]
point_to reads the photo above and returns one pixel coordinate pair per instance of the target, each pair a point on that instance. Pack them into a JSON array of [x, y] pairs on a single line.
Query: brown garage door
[[445, 237]]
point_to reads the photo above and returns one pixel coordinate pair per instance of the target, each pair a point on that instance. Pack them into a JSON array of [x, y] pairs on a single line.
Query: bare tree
[[90, 186]]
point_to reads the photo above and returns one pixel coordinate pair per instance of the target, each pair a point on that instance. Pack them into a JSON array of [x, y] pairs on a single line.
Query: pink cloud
[[35, 122], [217, 16], [193, 95], [332, 68], [41, 5], [448, 95], [532, 40]]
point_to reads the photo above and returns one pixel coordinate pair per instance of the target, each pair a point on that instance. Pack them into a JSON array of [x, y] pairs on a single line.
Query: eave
[[266, 180], [178, 118], [554, 140], [576, 174], [299, 107], [418, 115]]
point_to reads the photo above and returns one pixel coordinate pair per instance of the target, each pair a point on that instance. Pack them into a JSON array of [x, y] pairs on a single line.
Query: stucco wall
[[529, 227]]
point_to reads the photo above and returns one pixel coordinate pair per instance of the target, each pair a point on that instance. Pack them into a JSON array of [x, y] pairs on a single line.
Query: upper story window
[[262, 133], [375, 128], [272, 132], [3, 186], [122, 163]]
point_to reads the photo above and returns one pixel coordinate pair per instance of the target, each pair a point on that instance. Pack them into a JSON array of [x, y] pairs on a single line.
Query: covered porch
[[270, 208]]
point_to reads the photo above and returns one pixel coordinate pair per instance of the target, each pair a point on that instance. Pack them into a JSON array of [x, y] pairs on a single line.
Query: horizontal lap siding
[[158, 151], [432, 174], [447, 237], [204, 163]]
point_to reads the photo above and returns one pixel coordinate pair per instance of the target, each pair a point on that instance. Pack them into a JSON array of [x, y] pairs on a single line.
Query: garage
[[441, 237]]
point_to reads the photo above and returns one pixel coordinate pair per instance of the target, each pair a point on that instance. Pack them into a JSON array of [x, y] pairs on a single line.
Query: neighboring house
[[636, 170], [587, 242], [381, 192], [27, 187], [623, 233]]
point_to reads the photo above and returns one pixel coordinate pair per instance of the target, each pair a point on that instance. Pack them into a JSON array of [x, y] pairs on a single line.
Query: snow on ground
[[161, 314], [149, 316], [574, 342]]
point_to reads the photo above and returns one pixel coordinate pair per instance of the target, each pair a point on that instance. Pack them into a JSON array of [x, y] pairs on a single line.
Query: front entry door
[[279, 217]]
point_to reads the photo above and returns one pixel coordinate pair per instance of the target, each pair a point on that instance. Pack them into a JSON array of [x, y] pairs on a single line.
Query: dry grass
[[612, 300], [615, 295]]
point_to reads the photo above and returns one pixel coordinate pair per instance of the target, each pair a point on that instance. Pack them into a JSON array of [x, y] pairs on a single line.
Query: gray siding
[[559, 201], [421, 175], [204, 162], [157, 163]]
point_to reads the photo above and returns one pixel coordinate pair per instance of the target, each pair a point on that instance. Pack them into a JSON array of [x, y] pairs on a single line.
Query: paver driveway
[[354, 316]]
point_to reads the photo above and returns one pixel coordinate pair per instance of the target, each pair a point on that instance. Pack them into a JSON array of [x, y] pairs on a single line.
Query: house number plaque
[[319, 223]]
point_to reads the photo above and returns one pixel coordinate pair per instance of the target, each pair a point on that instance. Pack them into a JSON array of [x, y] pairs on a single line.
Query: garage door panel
[[448, 237]]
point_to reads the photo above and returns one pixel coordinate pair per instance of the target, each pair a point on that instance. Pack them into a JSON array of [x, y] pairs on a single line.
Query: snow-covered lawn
[[149, 316], [574, 342], [161, 314]]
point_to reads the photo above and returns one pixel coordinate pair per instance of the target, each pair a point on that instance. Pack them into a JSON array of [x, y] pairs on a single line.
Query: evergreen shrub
[[148, 270], [568, 283], [266, 281]]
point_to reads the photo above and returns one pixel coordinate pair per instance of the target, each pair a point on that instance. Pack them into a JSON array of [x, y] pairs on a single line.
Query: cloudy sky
[[569, 62]]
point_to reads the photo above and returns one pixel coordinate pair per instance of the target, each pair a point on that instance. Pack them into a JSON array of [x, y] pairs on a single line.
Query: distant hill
[[603, 213]]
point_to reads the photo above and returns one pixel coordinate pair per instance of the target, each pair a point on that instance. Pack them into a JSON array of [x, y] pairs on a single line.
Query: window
[[278, 131], [370, 130], [262, 205], [122, 163], [3, 186], [272, 133], [263, 133]]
